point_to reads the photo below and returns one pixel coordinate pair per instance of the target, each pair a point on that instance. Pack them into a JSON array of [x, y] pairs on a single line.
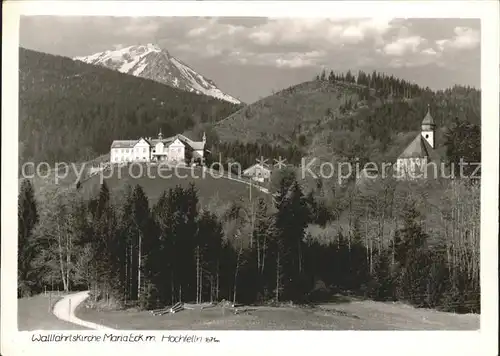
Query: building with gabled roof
[[175, 149], [258, 172], [419, 159]]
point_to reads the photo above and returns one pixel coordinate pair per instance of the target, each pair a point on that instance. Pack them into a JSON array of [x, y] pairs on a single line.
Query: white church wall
[[411, 167], [428, 135]]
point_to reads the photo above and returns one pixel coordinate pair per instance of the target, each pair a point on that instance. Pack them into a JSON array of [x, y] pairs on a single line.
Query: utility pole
[[251, 214], [220, 163]]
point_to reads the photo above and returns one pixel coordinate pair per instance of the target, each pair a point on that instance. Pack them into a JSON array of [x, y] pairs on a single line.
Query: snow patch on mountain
[[151, 62], [140, 69]]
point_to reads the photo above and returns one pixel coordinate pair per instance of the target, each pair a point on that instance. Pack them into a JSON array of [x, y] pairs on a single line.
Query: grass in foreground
[[208, 187], [35, 313], [357, 315]]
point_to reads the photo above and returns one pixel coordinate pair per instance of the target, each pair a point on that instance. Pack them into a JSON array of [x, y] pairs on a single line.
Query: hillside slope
[[72, 111], [152, 62], [286, 114], [336, 119], [209, 187]]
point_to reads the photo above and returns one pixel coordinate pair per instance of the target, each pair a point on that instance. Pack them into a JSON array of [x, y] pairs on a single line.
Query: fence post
[[69, 309]]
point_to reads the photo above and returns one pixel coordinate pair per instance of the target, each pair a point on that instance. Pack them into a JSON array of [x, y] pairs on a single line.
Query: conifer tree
[[331, 77], [323, 75], [463, 142], [209, 243], [160, 254], [103, 245], [411, 256], [27, 215], [291, 219], [141, 226], [262, 232]]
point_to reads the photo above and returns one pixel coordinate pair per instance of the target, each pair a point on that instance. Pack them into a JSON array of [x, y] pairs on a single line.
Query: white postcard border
[[483, 342]]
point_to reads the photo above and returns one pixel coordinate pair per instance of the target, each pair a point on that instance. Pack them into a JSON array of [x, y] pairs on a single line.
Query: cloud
[[301, 60], [196, 32], [278, 60], [225, 30], [296, 62], [430, 52], [243, 21], [262, 37], [418, 58], [259, 49], [139, 26], [465, 38], [318, 31], [375, 28], [403, 45], [214, 30]]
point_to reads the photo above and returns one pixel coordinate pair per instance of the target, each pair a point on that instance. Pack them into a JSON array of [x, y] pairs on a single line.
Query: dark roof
[[419, 148], [124, 143], [195, 145]]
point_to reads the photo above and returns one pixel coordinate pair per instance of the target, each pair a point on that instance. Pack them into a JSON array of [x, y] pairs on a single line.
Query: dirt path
[[65, 310]]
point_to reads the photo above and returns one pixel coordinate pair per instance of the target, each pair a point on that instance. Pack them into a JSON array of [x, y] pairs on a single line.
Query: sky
[[251, 57]]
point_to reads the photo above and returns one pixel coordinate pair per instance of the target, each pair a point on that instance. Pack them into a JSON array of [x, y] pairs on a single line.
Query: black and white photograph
[[237, 173]]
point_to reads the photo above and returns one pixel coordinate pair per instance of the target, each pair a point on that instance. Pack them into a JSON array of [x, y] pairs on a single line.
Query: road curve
[[65, 308]]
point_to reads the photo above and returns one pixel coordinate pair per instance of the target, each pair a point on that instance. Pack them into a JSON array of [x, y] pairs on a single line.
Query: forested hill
[[71, 111], [370, 116]]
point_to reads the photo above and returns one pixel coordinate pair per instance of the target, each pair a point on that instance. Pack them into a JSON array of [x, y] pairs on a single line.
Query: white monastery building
[[176, 149]]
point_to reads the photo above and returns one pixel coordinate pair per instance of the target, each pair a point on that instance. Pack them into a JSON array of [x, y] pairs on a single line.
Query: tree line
[[244, 153], [289, 247], [247, 154], [381, 83]]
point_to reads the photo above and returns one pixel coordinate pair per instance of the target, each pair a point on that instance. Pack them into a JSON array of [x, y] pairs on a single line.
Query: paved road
[[233, 178], [65, 310]]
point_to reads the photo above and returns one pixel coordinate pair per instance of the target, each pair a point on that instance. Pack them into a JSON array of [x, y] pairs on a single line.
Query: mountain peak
[[153, 46], [152, 62]]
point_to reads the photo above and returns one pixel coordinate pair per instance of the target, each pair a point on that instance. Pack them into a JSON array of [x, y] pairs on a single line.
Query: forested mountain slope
[[72, 111], [371, 116]]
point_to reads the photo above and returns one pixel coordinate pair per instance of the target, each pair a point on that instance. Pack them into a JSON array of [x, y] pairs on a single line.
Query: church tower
[[428, 127], [160, 135], [204, 139]]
